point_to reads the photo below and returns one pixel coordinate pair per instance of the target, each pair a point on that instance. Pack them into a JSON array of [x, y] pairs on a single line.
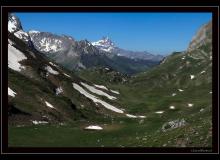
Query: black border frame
[[6, 9]]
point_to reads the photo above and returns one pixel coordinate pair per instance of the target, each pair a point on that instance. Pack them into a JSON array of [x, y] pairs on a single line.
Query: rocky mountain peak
[[107, 41], [105, 44], [14, 24], [203, 36]]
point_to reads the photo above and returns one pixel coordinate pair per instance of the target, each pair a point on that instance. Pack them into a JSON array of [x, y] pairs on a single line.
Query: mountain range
[[76, 55]]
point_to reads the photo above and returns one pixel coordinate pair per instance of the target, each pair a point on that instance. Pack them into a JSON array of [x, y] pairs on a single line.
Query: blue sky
[[159, 33]]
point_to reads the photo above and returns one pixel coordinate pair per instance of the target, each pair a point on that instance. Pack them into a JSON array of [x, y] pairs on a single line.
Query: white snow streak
[[53, 64], [11, 92], [95, 127], [95, 99], [101, 87], [131, 116], [39, 122], [142, 116], [116, 92], [180, 90], [49, 105], [202, 72], [159, 112], [192, 76], [14, 57], [67, 75], [172, 107], [190, 104], [98, 92], [201, 110], [50, 70]]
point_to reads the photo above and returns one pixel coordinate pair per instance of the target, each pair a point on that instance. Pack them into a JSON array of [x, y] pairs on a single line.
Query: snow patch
[[131, 116], [192, 76], [202, 72], [98, 92], [116, 92], [159, 112], [95, 127], [14, 57], [67, 75], [33, 31], [11, 92], [173, 94], [201, 110], [12, 25], [53, 64], [190, 104], [39, 122], [48, 45], [101, 87], [50, 70], [95, 99], [59, 90], [180, 90], [49, 105], [172, 107], [142, 116], [22, 35]]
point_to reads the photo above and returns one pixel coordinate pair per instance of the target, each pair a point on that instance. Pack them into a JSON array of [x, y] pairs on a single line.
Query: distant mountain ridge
[[76, 55], [106, 44]]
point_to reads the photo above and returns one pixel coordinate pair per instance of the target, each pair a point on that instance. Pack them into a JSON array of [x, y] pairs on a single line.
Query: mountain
[[14, 24], [202, 37], [40, 91], [15, 28], [78, 55], [106, 44], [169, 105]]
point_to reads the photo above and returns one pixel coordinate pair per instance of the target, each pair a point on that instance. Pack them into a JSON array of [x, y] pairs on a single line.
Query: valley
[[67, 93]]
